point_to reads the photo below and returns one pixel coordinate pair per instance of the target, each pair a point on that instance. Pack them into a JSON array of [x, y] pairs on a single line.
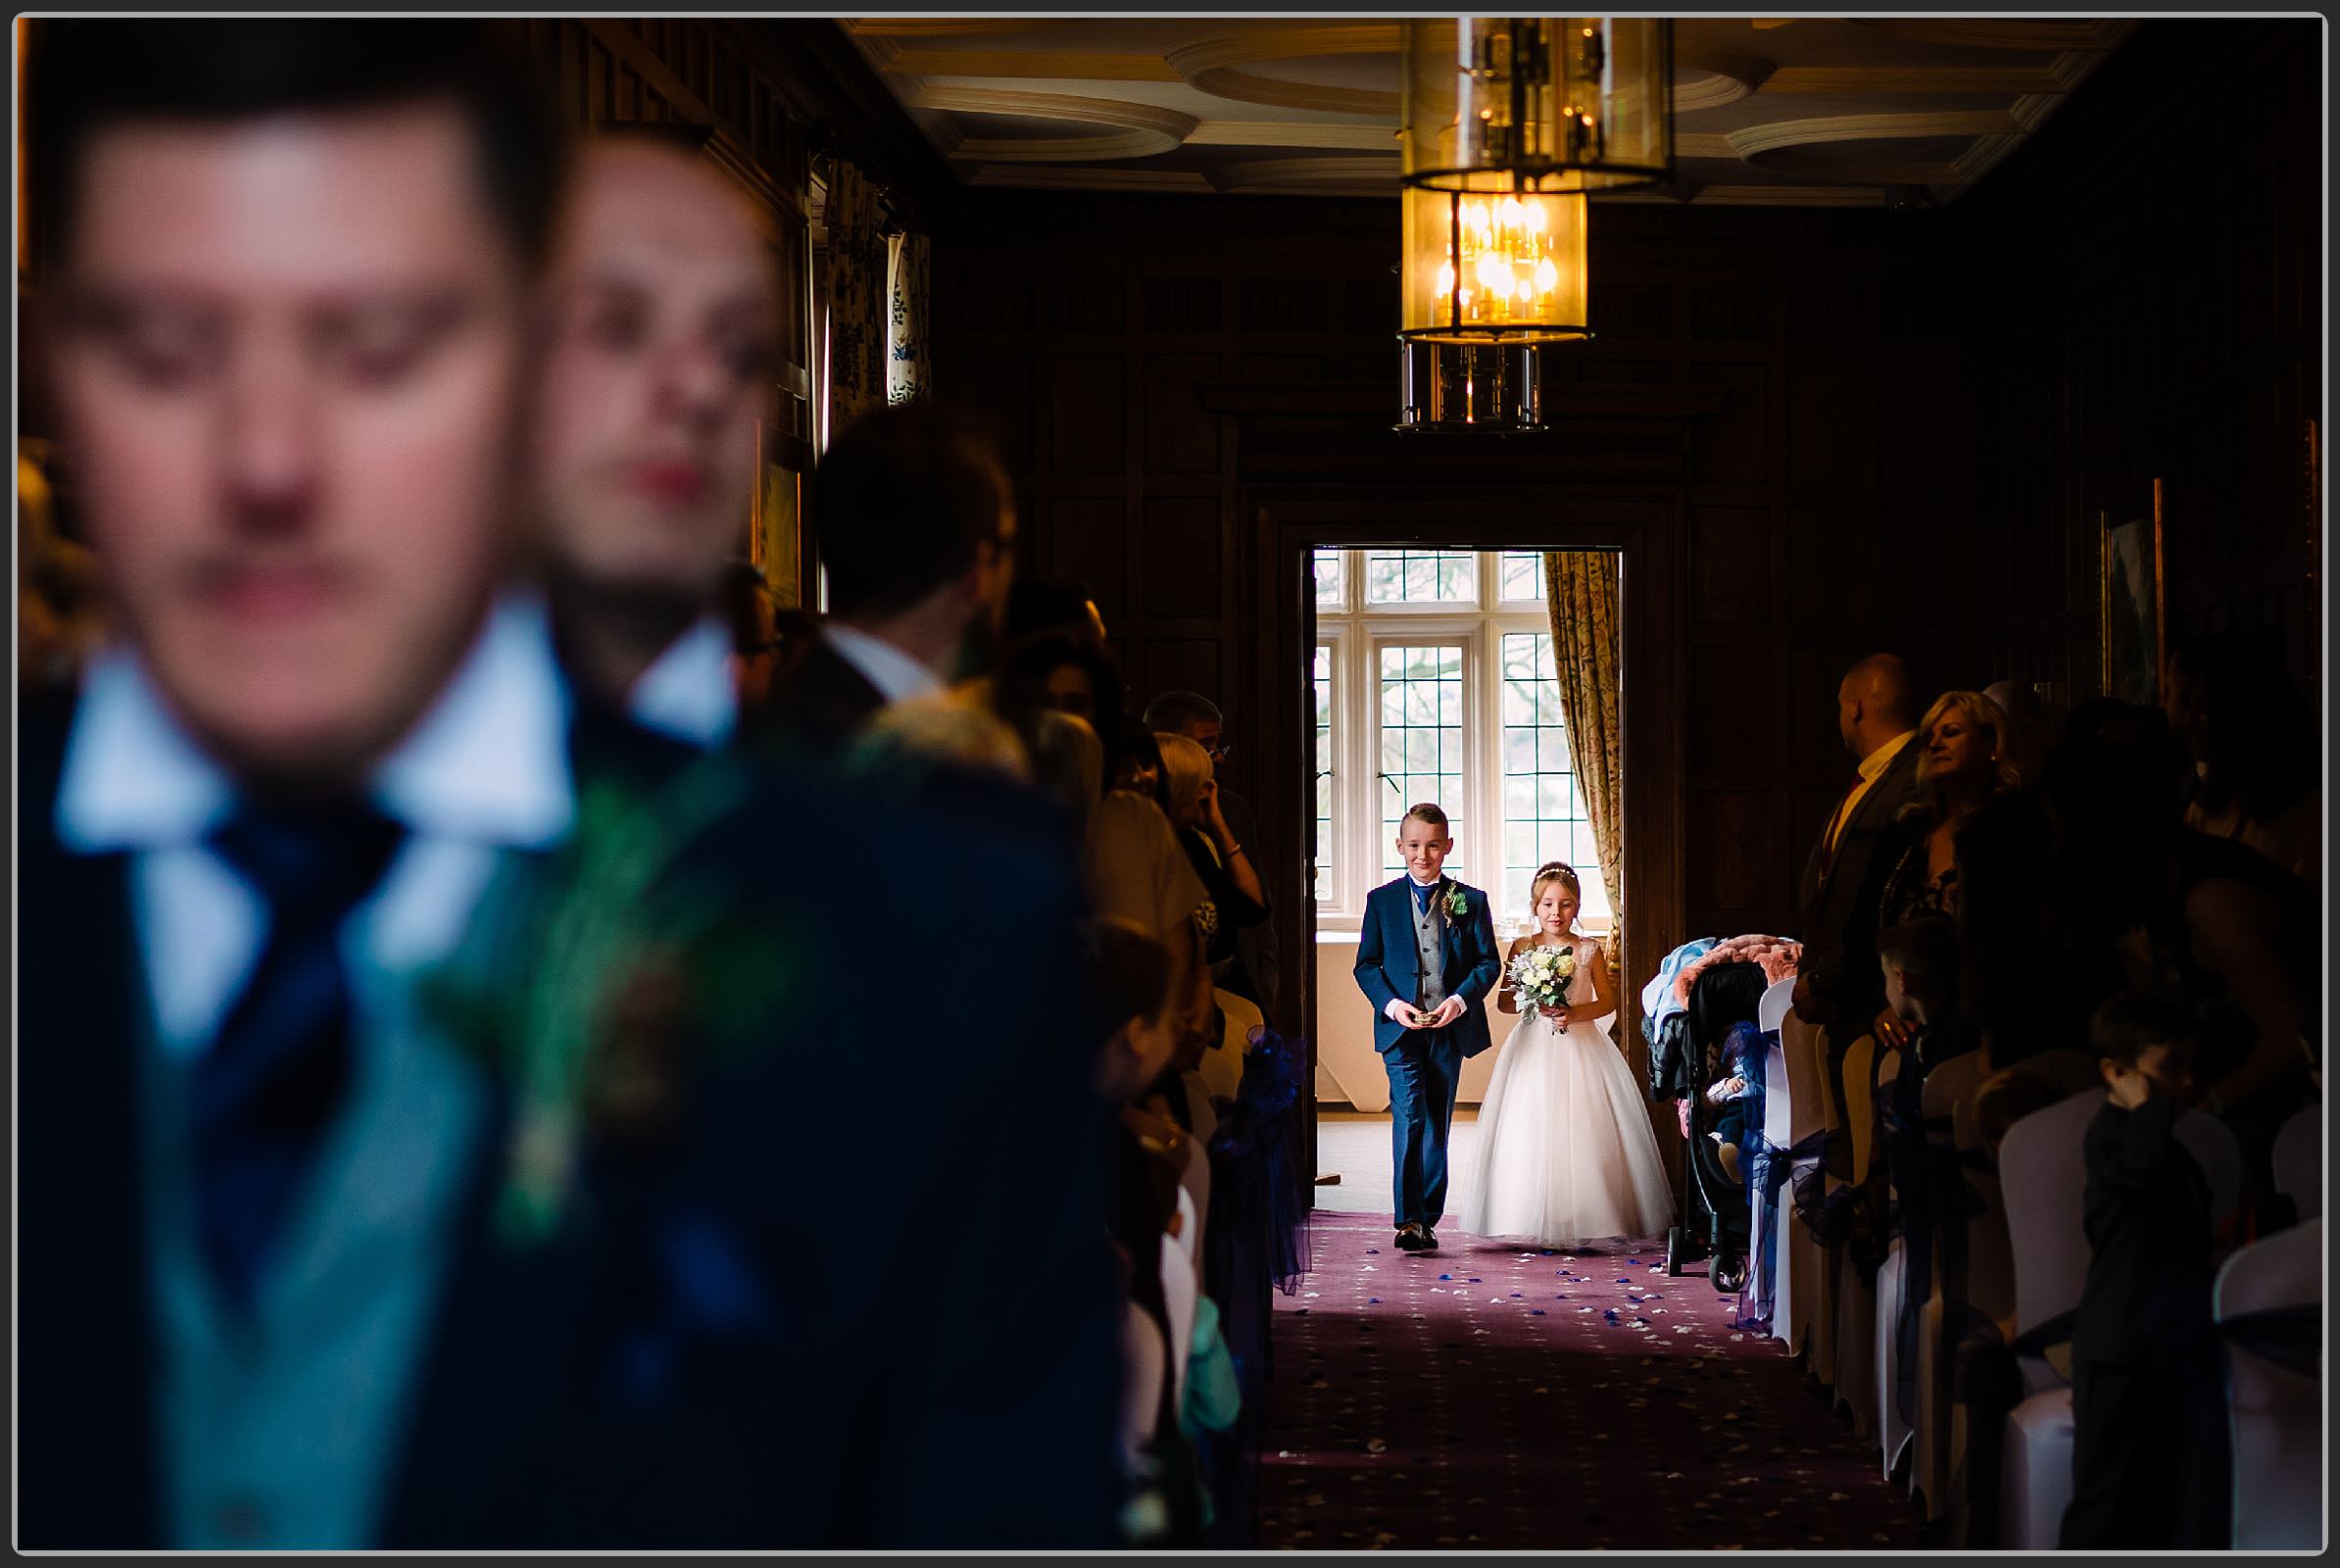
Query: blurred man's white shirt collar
[[898, 677], [691, 693], [486, 769]]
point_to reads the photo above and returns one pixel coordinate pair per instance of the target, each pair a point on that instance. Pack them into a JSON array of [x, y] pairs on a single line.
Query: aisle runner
[[1490, 1396]]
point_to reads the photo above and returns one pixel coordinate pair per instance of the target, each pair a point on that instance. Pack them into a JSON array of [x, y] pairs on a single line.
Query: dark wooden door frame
[[1647, 523]]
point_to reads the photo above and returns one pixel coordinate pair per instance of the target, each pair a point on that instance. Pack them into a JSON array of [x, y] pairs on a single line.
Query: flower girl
[[1564, 1154]]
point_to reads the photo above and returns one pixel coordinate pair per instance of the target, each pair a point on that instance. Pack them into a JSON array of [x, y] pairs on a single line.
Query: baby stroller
[[1715, 1223]]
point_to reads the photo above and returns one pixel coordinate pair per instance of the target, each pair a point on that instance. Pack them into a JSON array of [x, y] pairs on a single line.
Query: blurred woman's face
[[1069, 691], [1956, 751]]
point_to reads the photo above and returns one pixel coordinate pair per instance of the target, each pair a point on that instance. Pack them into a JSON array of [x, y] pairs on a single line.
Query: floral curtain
[[1580, 586], [856, 289], [910, 370]]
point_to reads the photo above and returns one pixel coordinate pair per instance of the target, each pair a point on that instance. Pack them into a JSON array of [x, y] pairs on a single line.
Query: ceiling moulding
[[1293, 133], [2002, 33], [1141, 129], [1714, 77], [1751, 142], [1704, 144], [1033, 176], [1915, 80], [1790, 196], [1284, 174], [1010, 63], [942, 26], [1213, 65]]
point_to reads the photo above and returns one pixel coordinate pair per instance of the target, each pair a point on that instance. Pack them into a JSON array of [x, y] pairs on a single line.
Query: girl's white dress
[[1564, 1152]]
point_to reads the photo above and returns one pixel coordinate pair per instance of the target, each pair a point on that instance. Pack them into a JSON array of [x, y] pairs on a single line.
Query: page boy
[[1427, 960]]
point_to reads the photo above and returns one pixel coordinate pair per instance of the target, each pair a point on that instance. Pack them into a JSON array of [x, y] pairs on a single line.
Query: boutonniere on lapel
[[1457, 902], [598, 996]]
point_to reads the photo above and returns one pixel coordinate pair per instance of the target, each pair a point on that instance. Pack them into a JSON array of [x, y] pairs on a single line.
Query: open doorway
[[1434, 678]]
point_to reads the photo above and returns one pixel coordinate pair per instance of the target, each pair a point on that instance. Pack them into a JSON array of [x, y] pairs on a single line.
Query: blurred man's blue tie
[[266, 1089]]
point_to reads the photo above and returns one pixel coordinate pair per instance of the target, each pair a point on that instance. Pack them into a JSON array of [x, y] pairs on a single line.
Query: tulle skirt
[[1564, 1154]]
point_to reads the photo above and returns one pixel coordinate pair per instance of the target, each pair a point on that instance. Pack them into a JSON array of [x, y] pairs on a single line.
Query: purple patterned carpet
[[1486, 1397]]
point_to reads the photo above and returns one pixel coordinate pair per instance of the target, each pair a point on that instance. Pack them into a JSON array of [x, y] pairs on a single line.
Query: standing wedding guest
[[917, 529], [303, 1266], [1190, 798], [1962, 767], [2143, 1346], [665, 326], [1202, 720], [290, 264], [1838, 985]]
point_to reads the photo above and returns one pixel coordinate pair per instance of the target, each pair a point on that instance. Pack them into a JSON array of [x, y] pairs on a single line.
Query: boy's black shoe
[[1410, 1239]]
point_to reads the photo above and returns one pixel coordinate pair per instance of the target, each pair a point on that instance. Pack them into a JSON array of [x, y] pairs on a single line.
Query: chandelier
[[1509, 123]]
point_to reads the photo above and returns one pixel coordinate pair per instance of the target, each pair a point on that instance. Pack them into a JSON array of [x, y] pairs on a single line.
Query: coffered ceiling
[[1769, 111]]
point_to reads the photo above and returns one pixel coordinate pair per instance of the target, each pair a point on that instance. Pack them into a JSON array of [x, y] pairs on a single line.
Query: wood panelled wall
[[1920, 416], [1821, 508], [2156, 269], [710, 73]]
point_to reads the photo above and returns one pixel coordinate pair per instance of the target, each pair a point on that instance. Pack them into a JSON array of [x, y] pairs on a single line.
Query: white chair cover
[[2214, 1150], [2044, 1173], [2274, 1414], [1893, 1433], [1769, 1222], [1810, 1309], [1223, 1063], [1190, 1224], [1939, 1432], [1772, 1010], [1856, 1297], [2299, 1161], [1145, 1359], [1179, 1292]]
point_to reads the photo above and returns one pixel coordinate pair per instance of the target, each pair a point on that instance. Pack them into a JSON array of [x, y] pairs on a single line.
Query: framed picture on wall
[[2132, 618]]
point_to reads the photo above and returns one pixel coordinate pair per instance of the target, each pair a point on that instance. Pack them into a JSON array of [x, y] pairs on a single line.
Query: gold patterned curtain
[[1580, 586], [857, 287], [910, 366]]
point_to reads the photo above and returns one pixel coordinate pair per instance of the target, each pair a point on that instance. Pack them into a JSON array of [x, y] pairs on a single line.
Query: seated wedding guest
[[60, 616], [665, 322], [2143, 1346], [1051, 607], [2251, 738], [1134, 760], [1138, 869], [2135, 898], [1189, 799], [917, 529], [1200, 720], [305, 1262]]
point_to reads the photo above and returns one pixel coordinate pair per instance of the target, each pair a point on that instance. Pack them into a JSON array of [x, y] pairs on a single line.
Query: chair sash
[[1772, 1168]]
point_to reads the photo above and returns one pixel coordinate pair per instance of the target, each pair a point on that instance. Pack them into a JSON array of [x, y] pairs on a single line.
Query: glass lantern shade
[[1493, 268], [1519, 104]]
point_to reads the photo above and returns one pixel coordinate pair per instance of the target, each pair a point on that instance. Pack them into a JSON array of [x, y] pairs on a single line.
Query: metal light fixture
[[1508, 124]]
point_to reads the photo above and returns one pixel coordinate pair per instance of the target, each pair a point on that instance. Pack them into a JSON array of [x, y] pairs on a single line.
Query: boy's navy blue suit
[[1425, 1065]]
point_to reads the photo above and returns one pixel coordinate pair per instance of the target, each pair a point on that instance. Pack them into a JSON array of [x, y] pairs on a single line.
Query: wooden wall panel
[[1088, 413], [1089, 539], [1181, 550]]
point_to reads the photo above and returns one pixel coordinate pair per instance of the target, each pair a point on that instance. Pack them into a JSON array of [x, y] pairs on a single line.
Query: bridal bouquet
[[1541, 975]]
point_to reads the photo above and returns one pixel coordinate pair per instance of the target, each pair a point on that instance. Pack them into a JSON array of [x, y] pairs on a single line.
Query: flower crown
[[1561, 870]]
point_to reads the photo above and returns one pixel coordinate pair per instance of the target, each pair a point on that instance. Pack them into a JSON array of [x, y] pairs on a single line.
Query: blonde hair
[[1983, 713], [1555, 872], [1186, 768]]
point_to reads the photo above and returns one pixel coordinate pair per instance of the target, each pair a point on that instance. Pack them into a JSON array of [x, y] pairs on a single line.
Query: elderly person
[[1190, 798]]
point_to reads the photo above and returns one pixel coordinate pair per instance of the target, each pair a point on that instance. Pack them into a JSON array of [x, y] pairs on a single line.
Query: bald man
[[666, 322], [1840, 984]]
